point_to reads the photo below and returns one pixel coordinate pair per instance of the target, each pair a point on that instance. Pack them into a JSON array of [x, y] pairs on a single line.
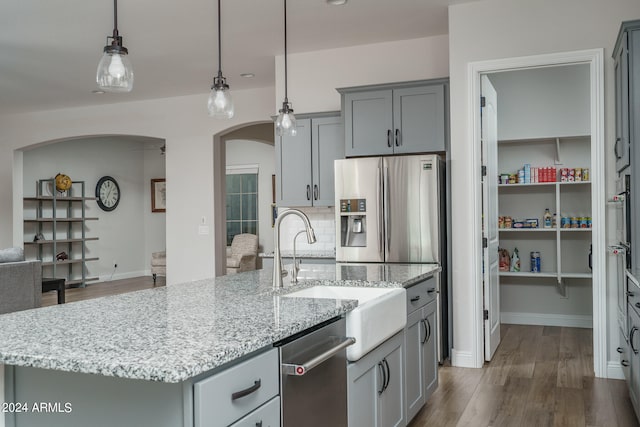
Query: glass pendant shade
[[115, 73], [286, 121], [220, 103]]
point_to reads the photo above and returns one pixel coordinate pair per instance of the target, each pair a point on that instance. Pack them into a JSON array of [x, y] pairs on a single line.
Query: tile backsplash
[[323, 223]]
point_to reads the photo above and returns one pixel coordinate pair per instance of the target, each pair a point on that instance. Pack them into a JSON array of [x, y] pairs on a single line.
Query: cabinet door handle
[[259, 423], [619, 350], [631, 334], [397, 137], [624, 363], [426, 333], [615, 149], [638, 304], [247, 391], [429, 324], [384, 377], [308, 192], [414, 299], [388, 372], [389, 138], [315, 191]]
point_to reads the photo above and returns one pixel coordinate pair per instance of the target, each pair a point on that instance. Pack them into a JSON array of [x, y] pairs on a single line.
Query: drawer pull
[[414, 299], [629, 293], [259, 423], [619, 350], [430, 291], [624, 363], [247, 391]]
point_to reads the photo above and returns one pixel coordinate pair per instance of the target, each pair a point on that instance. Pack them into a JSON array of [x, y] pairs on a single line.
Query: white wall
[[188, 131], [122, 232], [241, 152], [543, 102], [494, 29], [314, 76], [155, 236]]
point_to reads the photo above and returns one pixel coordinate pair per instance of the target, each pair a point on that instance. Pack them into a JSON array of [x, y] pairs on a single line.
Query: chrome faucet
[[277, 258], [296, 262]]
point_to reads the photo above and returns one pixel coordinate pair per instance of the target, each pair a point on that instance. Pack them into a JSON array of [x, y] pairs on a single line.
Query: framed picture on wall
[[158, 195]]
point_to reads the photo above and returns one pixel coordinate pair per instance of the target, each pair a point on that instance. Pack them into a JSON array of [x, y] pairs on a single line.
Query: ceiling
[[49, 50]]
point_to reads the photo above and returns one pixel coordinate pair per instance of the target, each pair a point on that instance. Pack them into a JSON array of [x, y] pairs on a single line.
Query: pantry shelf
[[526, 230], [526, 274]]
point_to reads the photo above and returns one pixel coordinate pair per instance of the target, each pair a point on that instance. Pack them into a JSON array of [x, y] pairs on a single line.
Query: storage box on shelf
[[565, 246], [55, 223]]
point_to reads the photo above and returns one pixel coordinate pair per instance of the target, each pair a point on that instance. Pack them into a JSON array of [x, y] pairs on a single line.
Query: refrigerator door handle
[[386, 208], [379, 204]]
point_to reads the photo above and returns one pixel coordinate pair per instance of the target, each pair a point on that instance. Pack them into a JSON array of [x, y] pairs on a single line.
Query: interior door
[[491, 282]]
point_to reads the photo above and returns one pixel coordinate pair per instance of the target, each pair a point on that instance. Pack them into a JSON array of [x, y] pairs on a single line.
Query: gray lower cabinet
[[629, 347], [396, 118], [421, 350], [234, 393], [245, 394], [376, 386], [633, 351], [304, 162]]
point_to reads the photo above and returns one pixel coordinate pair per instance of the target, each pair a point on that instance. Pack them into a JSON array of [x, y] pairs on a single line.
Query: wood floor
[[102, 289], [539, 376]]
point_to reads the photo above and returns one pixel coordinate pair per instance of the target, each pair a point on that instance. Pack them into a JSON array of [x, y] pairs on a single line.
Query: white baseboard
[[614, 371], [568, 320], [463, 359], [127, 275]]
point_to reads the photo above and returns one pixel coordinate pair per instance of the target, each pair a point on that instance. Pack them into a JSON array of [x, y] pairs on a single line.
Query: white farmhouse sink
[[381, 312]]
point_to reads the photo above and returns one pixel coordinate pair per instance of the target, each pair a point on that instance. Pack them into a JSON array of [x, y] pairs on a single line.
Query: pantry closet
[[544, 162]]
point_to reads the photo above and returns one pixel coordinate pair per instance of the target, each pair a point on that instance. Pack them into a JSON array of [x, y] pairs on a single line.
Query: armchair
[[244, 250]]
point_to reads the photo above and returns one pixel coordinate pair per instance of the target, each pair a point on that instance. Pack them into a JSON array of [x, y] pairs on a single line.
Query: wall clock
[[107, 193]]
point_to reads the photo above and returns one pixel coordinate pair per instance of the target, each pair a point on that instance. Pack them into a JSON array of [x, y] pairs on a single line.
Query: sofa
[[20, 285]]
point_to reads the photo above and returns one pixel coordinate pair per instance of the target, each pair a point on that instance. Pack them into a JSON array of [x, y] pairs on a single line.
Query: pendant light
[[220, 104], [286, 121], [115, 73]]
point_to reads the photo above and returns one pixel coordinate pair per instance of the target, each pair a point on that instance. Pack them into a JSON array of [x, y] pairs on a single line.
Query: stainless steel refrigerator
[[392, 209], [389, 209]]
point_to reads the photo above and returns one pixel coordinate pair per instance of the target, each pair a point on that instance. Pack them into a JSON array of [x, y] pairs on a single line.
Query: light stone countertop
[[302, 254], [171, 334]]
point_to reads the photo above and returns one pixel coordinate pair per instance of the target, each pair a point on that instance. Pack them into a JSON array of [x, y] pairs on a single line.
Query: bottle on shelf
[[547, 219]]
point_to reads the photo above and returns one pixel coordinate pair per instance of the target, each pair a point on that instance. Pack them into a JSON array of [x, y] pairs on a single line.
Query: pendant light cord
[[219, 44], [286, 99], [115, 19]]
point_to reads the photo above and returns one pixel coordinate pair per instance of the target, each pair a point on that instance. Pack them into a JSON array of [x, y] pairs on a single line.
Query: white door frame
[[595, 59]]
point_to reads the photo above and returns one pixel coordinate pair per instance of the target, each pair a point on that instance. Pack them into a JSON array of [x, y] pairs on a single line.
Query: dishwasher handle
[[303, 368]]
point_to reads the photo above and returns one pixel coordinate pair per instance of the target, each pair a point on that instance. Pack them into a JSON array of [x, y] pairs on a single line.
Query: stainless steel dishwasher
[[313, 374]]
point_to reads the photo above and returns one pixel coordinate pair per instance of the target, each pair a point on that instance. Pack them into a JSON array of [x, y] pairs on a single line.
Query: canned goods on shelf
[[535, 262]]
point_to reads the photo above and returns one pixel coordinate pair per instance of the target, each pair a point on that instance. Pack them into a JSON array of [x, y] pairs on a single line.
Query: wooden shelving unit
[[61, 219]]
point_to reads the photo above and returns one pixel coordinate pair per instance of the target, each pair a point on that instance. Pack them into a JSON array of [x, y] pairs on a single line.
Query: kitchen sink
[[380, 314]]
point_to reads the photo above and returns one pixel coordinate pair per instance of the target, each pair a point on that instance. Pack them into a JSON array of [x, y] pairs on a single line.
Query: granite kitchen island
[[133, 359]]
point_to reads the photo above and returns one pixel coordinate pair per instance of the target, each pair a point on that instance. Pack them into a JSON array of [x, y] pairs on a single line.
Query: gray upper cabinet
[[621, 147], [304, 162], [395, 119], [368, 123]]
